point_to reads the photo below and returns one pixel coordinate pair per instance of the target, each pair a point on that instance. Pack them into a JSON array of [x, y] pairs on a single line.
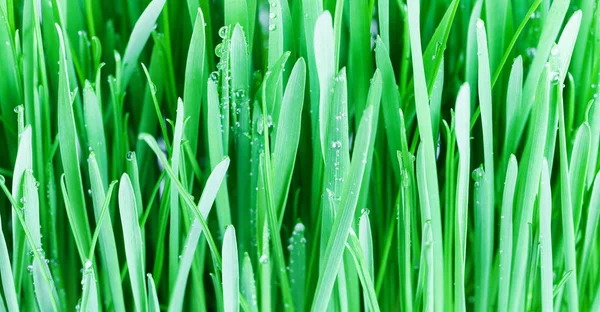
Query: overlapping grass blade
[[343, 220], [425, 130], [204, 206], [68, 142]]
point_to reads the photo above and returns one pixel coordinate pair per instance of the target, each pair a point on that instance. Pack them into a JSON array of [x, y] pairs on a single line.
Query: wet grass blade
[[343, 220]]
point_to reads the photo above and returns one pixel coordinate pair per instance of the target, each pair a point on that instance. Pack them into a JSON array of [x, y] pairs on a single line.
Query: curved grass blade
[[204, 206], [578, 171], [68, 142], [108, 248], [23, 163], [286, 142], [137, 40]]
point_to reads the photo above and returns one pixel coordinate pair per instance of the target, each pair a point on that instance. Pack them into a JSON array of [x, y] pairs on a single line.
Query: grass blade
[[546, 239], [230, 272], [133, 243], [343, 220], [137, 40]]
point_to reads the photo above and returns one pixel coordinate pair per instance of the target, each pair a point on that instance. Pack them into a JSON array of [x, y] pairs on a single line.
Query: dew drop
[[223, 32]]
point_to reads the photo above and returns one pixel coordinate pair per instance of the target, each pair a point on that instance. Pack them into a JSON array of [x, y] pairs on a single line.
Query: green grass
[[300, 155]]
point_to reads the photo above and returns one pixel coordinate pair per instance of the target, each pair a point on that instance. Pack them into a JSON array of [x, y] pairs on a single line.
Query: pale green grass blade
[[425, 130], [195, 77], [566, 42], [132, 237], [484, 230], [68, 142], [545, 202], [187, 198], [527, 186], [578, 169], [44, 276], [506, 234], [471, 53], [45, 291], [231, 278], [373, 100], [549, 32], [286, 142], [137, 40], [216, 154], [23, 163], [567, 211], [514, 95], [297, 266], [337, 162], [108, 247], [362, 267], [248, 284], [89, 296], [366, 244], [324, 60], [95, 129], [463, 140], [204, 206], [343, 220], [153, 305], [174, 213]]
